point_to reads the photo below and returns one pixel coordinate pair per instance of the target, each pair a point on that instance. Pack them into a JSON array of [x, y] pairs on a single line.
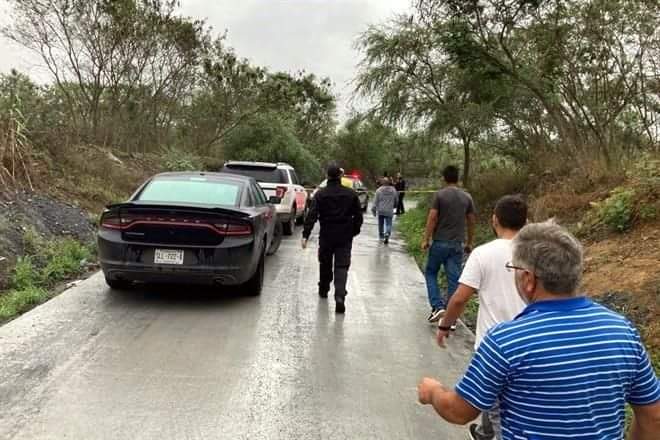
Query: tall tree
[[366, 144], [231, 91], [409, 72], [586, 63], [269, 137], [105, 54]]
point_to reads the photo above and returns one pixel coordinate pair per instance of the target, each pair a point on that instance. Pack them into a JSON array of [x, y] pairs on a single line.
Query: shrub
[[488, 186], [174, 159], [32, 242], [25, 274], [646, 170], [64, 258], [616, 212]]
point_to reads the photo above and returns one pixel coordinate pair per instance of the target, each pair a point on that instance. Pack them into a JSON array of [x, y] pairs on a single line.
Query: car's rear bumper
[[227, 265]]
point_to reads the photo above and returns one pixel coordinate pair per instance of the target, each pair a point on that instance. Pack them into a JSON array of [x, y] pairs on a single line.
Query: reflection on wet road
[[190, 363]]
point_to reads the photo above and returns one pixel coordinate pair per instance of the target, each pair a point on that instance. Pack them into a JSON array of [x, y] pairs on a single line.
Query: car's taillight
[[234, 229], [114, 220], [280, 191], [111, 220], [124, 221]]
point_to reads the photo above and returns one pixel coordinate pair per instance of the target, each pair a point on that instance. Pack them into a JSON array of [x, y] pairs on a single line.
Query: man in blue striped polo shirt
[[563, 368]]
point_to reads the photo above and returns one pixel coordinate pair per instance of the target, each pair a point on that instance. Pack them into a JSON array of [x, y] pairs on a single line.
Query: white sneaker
[[436, 314]]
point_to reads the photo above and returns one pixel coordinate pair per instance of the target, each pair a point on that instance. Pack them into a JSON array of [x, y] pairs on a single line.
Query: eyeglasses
[[510, 267]]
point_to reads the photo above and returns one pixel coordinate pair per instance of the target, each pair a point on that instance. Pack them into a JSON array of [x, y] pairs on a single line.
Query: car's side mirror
[[274, 200]]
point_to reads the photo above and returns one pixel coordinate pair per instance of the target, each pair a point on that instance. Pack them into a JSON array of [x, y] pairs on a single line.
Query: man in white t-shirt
[[485, 273]]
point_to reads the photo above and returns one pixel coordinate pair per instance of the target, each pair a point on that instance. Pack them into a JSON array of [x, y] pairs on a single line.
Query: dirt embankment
[[622, 269], [45, 215], [623, 272], [70, 191], [91, 177]]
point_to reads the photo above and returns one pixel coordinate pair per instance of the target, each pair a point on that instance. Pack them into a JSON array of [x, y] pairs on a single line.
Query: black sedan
[[190, 228]]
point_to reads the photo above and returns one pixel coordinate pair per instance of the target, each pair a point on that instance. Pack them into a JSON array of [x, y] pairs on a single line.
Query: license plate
[[168, 256]]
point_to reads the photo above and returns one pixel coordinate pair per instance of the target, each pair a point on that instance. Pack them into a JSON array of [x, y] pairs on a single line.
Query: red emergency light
[[355, 174]]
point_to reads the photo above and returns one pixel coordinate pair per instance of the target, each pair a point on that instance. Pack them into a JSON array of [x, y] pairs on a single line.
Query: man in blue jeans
[[385, 202], [452, 212]]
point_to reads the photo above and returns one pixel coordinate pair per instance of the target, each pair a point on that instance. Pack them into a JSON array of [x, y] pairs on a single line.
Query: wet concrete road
[[192, 364]]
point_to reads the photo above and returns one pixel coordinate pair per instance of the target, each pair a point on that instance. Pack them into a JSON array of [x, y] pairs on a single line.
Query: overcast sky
[[289, 35]]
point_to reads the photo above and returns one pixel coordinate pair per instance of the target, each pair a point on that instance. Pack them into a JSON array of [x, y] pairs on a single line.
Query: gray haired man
[[563, 368]]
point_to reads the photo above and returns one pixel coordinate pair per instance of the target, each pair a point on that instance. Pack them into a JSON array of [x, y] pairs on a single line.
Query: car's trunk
[[180, 226]]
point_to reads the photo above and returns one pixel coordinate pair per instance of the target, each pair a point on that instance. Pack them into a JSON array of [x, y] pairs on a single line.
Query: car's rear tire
[[255, 284], [289, 226], [276, 240], [118, 284]]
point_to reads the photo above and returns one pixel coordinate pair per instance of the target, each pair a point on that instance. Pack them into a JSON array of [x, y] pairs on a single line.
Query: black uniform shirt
[[337, 209]]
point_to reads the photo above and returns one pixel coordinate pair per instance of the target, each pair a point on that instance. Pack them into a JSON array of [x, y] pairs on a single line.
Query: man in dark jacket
[[400, 185], [337, 209]]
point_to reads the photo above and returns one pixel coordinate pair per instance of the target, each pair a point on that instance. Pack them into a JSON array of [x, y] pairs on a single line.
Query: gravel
[[23, 210]]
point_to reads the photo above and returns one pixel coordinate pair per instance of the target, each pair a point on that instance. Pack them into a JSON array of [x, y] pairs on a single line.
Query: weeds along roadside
[[46, 263]]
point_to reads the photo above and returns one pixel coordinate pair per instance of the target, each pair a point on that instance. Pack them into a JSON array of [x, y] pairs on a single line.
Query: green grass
[[15, 302], [411, 226], [46, 263]]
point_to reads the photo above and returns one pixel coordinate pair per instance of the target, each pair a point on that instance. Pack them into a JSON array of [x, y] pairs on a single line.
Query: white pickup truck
[[280, 180]]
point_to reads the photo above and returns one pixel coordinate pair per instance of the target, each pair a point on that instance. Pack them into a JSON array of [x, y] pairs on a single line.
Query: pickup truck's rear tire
[[300, 220], [290, 225]]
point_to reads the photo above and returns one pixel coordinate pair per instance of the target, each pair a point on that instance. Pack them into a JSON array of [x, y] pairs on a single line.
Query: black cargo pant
[[400, 209], [341, 254]]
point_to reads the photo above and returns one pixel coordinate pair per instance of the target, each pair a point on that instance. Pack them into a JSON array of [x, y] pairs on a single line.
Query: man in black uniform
[[400, 186], [338, 210]]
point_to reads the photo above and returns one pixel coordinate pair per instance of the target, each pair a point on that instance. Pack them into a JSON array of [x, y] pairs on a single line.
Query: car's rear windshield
[[260, 174], [195, 190]]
